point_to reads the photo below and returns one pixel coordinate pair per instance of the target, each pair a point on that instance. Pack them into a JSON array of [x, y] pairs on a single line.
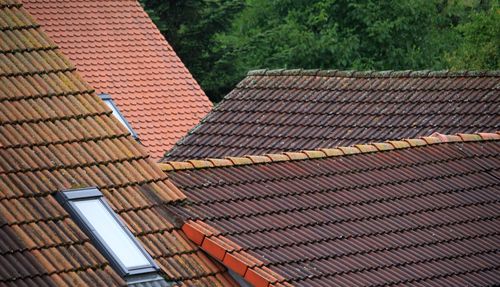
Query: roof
[[399, 213], [290, 110], [120, 52], [56, 134]]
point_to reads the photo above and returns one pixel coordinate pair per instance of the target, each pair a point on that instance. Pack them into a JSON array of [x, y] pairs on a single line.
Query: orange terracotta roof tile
[[56, 134], [120, 52], [291, 110]]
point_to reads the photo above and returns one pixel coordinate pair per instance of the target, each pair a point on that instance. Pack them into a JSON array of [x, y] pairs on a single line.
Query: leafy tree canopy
[[220, 41], [479, 45]]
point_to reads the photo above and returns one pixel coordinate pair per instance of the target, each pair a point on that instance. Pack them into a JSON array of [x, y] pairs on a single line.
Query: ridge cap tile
[[489, 136], [193, 233], [220, 162], [297, 155], [255, 278], [408, 143], [178, 165], [274, 157], [383, 146], [348, 150], [257, 72], [214, 248], [330, 152], [292, 72], [198, 163], [311, 154], [470, 137], [236, 265], [446, 138], [258, 158], [275, 72], [366, 148], [239, 160], [434, 139], [166, 166]]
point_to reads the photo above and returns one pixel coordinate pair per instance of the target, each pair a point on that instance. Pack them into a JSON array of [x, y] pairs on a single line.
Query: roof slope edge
[[435, 138], [371, 74]]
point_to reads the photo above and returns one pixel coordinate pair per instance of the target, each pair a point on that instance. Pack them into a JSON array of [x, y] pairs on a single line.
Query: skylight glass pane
[[103, 223], [117, 114]]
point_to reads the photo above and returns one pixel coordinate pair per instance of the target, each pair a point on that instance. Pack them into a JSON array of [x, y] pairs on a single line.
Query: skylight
[[109, 102], [93, 214]]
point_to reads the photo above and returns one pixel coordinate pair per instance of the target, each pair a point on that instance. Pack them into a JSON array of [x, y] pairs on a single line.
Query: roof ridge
[[230, 254], [435, 138], [374, 74]]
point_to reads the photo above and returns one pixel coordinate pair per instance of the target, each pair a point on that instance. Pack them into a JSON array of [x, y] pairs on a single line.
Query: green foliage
[[221, 40], [480, 42], [190, 27]]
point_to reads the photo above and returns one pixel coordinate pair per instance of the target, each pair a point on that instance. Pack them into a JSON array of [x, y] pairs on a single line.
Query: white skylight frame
[[70, 200], [117, 114]]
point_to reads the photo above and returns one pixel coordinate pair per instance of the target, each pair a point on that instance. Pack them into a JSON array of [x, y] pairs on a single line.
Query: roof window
[[89, 209], [116, 112]]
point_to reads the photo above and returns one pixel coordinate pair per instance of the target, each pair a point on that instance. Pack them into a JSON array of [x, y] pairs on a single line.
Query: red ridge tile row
[[241, 262]]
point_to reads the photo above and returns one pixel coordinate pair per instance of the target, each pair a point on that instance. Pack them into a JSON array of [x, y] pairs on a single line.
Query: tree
[[220, 41], [480, 42], [335, 34], [190, 27]]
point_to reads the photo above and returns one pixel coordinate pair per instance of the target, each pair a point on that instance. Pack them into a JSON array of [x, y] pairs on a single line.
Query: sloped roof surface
[[119, 51], [420, 212], [56, 134], [277, 111]]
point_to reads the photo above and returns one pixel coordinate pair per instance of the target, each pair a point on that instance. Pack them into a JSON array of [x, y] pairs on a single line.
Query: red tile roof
[[56, 134], [399, 213], [119, 51], [277, 111]]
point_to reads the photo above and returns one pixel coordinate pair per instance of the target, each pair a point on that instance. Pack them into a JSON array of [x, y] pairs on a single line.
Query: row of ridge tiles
[[371, 74], [326, 152]]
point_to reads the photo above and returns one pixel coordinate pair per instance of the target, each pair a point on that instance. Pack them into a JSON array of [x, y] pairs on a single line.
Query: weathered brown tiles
[[417, 211], [292, 110]]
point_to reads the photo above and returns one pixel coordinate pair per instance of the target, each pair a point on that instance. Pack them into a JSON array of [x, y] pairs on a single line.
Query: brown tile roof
[[120, 52], [290, 110], [399, 213], [56, 134]]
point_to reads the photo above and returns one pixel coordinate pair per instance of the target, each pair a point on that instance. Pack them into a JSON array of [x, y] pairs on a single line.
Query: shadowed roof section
[[290, 110], [120, 52], [411, 212], [56, 134]]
